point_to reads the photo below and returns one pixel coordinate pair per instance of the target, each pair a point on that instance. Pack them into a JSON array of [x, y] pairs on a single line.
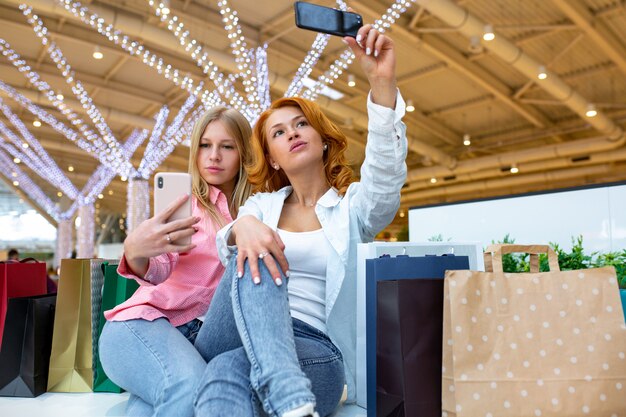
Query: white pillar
[[64, 241], [138, 202], [86, 232]]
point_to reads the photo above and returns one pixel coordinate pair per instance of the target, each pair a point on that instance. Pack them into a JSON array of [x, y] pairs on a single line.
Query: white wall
[[598, 214]]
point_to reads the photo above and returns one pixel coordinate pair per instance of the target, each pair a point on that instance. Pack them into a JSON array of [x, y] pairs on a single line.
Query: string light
[[351, 80], [409, 106], [138, 207], [165, 7], [392, 14], [135, 48], [244, 59], [86, 232], [160, 146], [50, 120], [39, 160], [467, 139], [36, 123], [433, 180], [64, 241], [31, 189], [90, 142], [114, 154], [311, 59], [514, 169]]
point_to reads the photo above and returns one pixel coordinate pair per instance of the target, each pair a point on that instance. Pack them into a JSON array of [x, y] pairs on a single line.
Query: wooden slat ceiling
[[457, 88]]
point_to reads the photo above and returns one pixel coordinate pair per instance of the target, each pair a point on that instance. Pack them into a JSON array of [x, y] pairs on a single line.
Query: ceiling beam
[[596, 30], [512, 182], [468, 25], [440, 49]]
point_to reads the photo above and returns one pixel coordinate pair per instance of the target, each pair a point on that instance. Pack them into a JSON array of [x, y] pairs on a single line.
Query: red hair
[[265, 179]]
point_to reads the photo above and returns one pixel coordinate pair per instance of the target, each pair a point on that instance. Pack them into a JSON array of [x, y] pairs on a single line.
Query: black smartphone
[[326, 20]]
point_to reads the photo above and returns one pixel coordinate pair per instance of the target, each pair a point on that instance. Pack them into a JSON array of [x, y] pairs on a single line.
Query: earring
[[325, 147], [276, 167]]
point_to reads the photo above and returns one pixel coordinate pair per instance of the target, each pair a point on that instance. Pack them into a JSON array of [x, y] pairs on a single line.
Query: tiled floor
[[92, 405]]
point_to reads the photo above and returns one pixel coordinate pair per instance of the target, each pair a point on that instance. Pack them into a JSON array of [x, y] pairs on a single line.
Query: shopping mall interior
[[504, 99]]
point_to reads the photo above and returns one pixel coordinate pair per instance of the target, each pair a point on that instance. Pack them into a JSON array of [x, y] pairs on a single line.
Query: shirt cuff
[[381, 116]]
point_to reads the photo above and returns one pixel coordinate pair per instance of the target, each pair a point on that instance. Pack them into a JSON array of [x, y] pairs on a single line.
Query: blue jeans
[[260, 360], [154, 361]]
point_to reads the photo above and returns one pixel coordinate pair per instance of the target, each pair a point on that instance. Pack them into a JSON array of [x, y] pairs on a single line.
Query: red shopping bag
[[20, 279]]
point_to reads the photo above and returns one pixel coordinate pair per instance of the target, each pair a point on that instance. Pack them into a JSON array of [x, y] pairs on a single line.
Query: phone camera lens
[[160, 182]]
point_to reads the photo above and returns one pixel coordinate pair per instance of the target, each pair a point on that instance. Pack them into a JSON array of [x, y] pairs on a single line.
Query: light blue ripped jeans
[[261, 361], [155, 362]]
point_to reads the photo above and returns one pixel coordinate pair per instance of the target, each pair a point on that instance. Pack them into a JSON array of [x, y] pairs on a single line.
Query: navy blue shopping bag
[[404, 314]]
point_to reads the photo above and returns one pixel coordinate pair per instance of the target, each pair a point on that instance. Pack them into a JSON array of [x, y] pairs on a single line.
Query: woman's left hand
[[376, 54]]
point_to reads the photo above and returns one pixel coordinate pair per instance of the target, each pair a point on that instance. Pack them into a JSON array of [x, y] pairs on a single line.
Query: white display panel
[[598, 214]]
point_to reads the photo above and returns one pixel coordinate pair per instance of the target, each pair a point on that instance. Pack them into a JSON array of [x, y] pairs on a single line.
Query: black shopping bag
[[25, 354], [404, 299]]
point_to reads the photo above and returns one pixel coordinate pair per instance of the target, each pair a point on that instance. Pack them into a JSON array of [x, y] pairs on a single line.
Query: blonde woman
[[146, 346]]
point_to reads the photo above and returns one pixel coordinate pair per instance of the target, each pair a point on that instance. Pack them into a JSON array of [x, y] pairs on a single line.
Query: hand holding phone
[[326, 20], [168, 187]]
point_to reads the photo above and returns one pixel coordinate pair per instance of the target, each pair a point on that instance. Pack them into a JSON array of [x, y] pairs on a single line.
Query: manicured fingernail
[[287, 274], [256, 280], [278, 281], [368, 51], [239, 274], [358, 39], [376, 53], [345, 41]]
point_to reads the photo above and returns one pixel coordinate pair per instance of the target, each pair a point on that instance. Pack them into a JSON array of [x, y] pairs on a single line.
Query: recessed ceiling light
[[591, 110], [541, 72], [97, 53], [488, 34]]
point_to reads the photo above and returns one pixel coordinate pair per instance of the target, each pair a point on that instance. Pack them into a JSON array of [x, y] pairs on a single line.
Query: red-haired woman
[[280, 333]]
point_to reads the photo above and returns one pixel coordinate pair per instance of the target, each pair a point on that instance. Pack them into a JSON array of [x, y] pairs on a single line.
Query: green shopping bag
[[116, 290]]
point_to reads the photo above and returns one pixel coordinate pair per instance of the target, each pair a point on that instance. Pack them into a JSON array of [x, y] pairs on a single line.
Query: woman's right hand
[[155, 236], [256, 241]]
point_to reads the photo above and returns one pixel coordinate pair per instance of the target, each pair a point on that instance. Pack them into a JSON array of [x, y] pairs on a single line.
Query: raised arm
[[376, 54]]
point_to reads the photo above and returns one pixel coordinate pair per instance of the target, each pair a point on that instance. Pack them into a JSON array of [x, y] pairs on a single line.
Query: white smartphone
[[168, 186]]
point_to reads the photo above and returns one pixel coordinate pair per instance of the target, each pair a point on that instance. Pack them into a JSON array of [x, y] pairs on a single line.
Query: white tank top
[[307, 253]]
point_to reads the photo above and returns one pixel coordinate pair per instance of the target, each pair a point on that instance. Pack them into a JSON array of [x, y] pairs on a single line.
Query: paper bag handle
[[493, 263]]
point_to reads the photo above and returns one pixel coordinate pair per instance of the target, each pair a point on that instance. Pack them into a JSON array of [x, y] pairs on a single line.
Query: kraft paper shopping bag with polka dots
[[533, 344]]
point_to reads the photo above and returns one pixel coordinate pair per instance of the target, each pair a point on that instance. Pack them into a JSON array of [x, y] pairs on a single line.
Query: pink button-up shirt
[[178, 287]]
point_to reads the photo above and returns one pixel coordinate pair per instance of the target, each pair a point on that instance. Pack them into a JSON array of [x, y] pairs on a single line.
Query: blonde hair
[[239, 128], [338, 173]]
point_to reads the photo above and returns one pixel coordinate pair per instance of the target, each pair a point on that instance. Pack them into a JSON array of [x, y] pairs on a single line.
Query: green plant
[[403, 234], [616, 260], [511, 262], [576, 259]]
